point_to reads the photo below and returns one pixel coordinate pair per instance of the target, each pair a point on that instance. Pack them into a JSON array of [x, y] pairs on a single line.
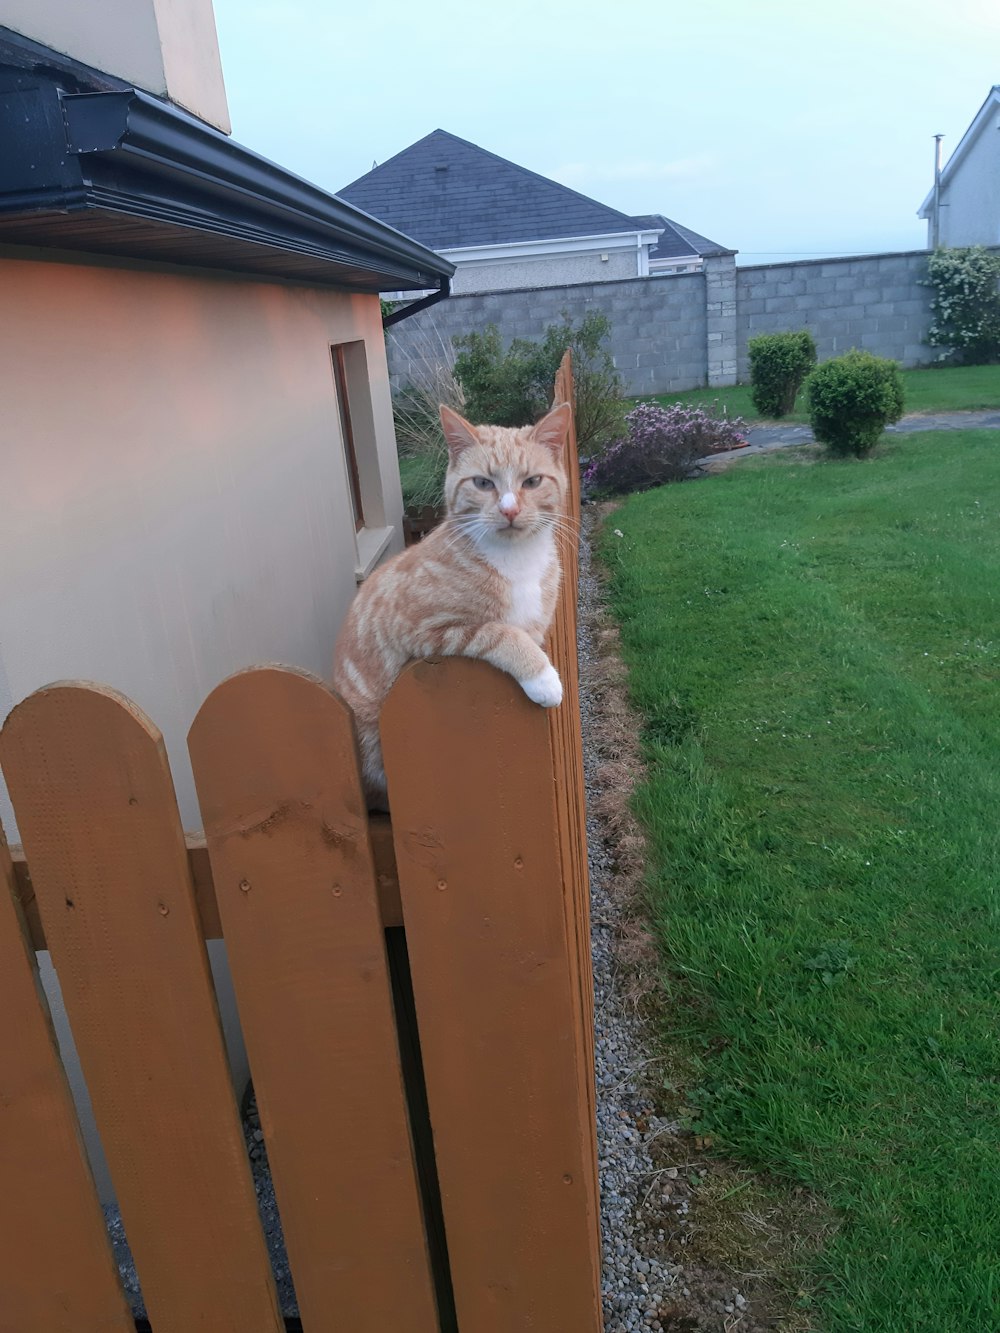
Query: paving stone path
[[764, 439]]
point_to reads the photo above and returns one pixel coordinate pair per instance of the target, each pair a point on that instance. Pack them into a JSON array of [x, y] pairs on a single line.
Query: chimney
[[166, 47]]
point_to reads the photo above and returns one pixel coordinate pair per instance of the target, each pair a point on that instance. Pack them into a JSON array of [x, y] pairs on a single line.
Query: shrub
[[965, 308], [661, 444], [513, 386], [852, 399], [779, 362]]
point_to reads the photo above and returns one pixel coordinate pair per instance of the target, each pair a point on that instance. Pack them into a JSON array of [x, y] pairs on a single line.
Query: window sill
[[372, 543]]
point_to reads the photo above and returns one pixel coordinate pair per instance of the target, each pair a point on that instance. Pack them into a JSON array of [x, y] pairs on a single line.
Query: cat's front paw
[[545, 688]]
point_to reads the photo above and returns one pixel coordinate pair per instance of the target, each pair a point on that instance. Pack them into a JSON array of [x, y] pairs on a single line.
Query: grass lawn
[[944, 389], [815, 649]]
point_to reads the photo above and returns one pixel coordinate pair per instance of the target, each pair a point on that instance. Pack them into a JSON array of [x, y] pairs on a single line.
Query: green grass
[[421, 477], [943, 389], [815, 650]]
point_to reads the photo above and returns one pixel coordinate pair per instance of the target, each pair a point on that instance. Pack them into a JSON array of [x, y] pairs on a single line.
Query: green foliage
[[779, 362], [852, 399], [513, 386], [965, 308], [939, 389], [387, 307], [823, 848], [420, 442]]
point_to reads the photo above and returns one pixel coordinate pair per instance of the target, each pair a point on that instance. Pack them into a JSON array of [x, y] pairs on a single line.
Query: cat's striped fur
[[482, 584]]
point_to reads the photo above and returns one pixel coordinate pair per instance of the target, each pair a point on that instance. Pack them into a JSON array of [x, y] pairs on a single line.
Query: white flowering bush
[[965, 309]]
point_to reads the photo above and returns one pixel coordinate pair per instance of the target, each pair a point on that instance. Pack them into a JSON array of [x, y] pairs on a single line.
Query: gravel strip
[[636, 1283]]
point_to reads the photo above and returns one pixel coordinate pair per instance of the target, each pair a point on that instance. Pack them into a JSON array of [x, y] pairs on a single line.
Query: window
[[347, 434], [362, 469]]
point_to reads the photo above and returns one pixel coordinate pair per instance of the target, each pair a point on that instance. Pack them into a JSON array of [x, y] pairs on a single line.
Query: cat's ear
[[459, 434], [554, 427]]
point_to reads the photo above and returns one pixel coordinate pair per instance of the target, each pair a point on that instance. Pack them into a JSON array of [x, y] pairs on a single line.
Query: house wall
[[167, 47], [677, 332], [970, 200], [174, 503], [542, 270]]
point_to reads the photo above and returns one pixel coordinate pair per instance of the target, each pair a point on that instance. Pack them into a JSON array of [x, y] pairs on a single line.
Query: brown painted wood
[[88, 778], [567, 750], [57, 1271], [477, 848], [204, 886], [276, 768]]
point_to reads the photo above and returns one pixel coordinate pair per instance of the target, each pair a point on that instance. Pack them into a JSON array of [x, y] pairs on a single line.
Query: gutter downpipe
[[415, 307]]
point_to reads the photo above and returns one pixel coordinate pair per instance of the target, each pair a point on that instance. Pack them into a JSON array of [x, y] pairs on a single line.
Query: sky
[[778, 129]]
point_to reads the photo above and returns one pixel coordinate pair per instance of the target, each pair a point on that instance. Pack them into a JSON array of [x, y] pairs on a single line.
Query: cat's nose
[[508, 506]]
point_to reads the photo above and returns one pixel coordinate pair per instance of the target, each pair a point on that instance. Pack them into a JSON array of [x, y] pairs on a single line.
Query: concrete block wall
[[875, 302], [658, 327], [681, 331]]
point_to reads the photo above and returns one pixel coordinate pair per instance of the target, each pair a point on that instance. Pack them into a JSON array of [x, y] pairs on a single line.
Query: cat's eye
[[530, 483], [483, 484]]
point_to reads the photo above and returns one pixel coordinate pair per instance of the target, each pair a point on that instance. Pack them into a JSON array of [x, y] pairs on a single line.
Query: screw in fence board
[[88, 778], [276, 769], [57, 1271], [477, 848]]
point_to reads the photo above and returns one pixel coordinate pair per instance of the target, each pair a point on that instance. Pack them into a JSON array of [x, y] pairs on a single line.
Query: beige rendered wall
[[167, 47], [174, 499]]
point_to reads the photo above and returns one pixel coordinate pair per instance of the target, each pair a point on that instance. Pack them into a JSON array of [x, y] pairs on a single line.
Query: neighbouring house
[[966, 203], [198, 452], [504, 227]]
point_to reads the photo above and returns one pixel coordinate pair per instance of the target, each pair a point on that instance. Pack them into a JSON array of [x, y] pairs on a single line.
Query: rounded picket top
[[270, 728]]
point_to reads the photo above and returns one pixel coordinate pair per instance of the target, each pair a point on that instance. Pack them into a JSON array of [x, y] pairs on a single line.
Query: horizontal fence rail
[[415, 994]]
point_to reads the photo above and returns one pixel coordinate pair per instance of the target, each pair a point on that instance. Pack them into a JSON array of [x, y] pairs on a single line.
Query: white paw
[[545, 688]]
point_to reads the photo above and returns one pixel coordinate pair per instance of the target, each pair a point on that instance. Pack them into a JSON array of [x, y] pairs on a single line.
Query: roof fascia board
[[991, 104], [133, 125], [628, 240]]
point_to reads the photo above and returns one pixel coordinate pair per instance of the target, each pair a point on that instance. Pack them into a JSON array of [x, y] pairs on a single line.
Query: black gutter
[[134, 127], [79, 168], [414, 307]]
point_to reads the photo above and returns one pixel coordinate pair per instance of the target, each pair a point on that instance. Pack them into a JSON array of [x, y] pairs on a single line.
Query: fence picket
[[57, 1271], [496, 996], [567, 758], [276, 770], [88, 778]]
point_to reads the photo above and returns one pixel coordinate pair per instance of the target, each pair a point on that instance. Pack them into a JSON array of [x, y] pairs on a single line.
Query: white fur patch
[[507, 502], [524, 564], [545, 688]]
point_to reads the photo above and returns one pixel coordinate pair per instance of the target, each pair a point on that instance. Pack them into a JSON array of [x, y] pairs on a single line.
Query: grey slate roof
[[446, 192], [676, 241]]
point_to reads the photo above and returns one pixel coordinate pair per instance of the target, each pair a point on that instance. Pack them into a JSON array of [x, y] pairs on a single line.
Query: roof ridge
[[506, 161]]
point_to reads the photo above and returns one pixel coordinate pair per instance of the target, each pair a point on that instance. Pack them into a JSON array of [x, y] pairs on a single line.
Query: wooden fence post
[[276, 767], [497, 995], [57, 1271], [88, 778]]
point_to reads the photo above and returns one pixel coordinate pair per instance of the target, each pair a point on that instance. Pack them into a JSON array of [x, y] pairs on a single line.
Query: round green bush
[[852, 399], [779, 362]]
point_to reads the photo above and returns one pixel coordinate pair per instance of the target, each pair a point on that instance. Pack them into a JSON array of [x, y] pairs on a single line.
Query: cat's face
[[503, 482]]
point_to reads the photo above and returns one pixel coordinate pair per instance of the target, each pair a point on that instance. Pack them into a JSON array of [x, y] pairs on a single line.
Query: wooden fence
[[415, 996]]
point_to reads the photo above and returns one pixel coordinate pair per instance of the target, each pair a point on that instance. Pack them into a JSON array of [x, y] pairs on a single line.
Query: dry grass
[[614, 735]]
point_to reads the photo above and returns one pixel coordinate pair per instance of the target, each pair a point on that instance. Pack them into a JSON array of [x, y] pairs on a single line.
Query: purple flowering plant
[[661, 445]]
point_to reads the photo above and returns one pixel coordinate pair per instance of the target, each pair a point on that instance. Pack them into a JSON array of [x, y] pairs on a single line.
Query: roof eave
[[127, 154], [963, 146]]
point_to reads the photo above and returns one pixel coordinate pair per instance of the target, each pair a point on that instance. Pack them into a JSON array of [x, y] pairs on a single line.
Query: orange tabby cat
[[482, 584]]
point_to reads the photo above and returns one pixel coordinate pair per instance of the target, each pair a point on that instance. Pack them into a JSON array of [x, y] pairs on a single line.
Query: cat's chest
[[527, 573]]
